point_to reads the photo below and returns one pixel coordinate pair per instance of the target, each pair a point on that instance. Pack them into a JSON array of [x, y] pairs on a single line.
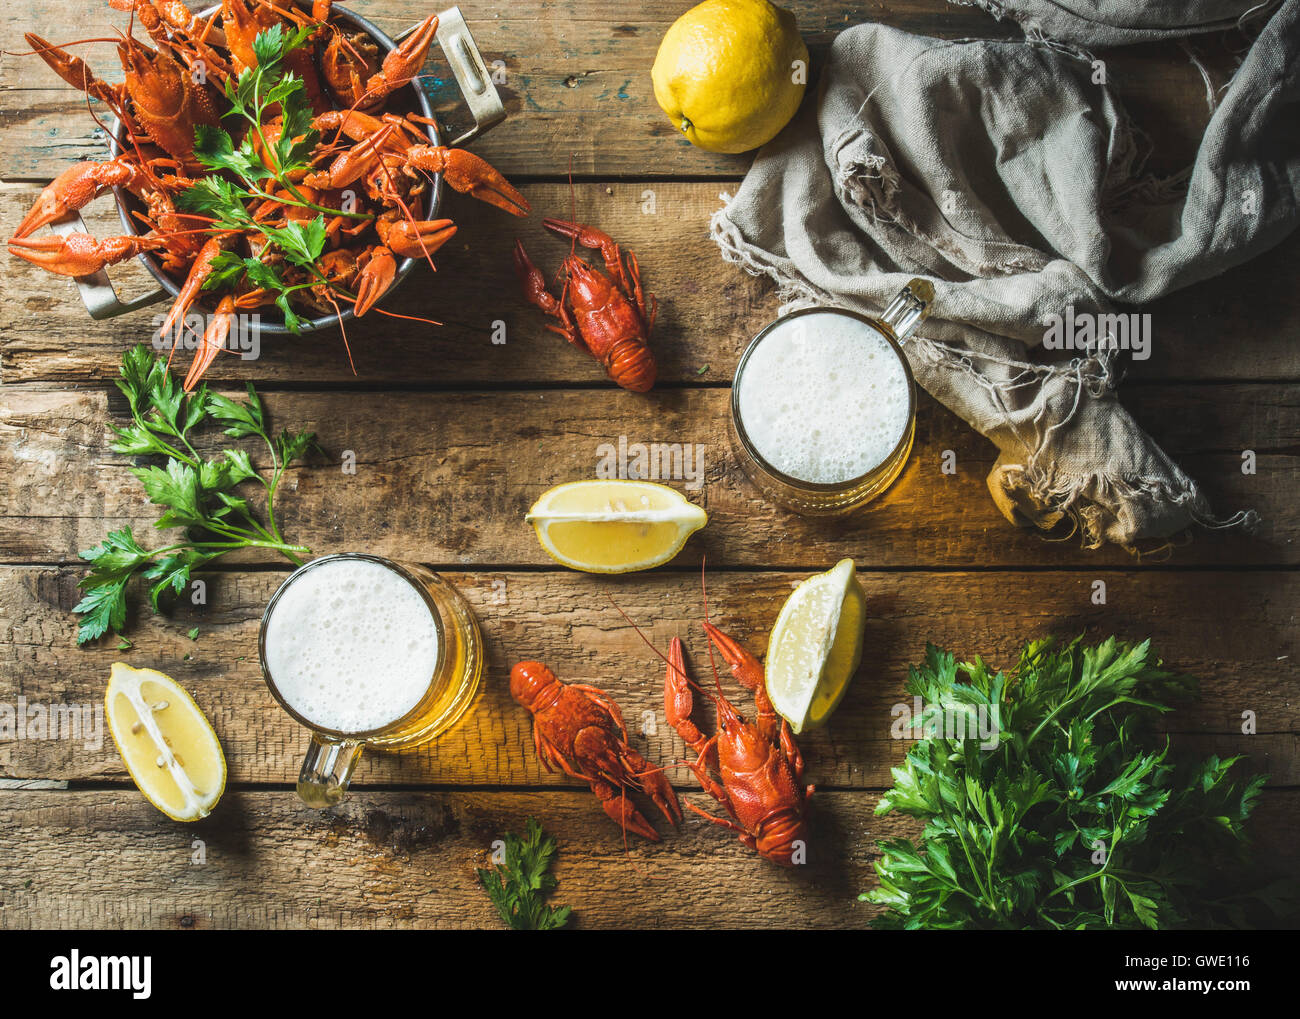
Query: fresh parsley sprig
[[201, 495], [518, 887], [254, 96], [1079, 815]]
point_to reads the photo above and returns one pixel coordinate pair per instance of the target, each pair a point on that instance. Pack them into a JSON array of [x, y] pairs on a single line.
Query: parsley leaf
[[103, 606], [216, 150]]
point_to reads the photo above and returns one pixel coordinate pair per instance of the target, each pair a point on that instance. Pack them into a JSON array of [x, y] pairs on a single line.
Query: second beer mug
[[364, 651], [823, 407]]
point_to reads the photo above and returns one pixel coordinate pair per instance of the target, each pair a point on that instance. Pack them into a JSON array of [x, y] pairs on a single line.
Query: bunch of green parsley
[[1082, 817], [201, 495], [519, 886]]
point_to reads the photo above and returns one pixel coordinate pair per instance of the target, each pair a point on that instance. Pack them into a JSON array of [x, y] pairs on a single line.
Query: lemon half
[[816, 646], [731, 73], [614, 526], [165, 741]]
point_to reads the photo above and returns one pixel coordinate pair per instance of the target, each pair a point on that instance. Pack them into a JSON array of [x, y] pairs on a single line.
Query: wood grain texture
[[448, 477], [709, 309], [573, 68], [106, 859], [1247, 664], [406, 860]]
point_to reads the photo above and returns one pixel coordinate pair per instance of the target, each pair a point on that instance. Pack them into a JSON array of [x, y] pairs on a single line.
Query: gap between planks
[[109, 786]]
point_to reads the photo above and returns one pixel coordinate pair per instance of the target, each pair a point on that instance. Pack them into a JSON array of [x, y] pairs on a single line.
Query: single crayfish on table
[[757, 764], [579, 729], [269, 169], [607, 314]]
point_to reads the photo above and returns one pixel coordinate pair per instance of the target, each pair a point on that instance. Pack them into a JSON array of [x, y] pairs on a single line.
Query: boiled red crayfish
[[608, 316], [579, 729], [758, 764]]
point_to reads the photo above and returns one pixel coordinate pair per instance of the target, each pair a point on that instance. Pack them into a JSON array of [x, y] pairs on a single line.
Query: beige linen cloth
[[1002, 172]]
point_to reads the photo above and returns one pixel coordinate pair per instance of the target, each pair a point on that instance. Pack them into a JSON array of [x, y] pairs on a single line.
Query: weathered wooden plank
[[572, 69], [405, 860], [32, 783], [1241, 326], [448, 477], [106, 859], [1247, 664], [708, 309]]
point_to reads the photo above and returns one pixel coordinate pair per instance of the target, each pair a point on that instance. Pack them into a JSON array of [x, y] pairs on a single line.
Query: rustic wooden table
[[454, 436]]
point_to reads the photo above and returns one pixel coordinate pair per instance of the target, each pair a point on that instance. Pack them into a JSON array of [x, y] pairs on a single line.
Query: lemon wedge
[[816, 646], [165, 741], [614, 526]]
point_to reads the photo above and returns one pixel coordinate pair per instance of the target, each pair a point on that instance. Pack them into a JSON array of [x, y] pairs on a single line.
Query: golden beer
[[364, 651]]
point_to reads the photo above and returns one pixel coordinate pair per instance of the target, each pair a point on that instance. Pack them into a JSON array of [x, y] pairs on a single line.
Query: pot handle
[[472, 74], [97, 292]]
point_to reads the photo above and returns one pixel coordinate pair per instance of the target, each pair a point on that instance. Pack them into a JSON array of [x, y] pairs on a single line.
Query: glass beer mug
[[823, 407], [363, 651]]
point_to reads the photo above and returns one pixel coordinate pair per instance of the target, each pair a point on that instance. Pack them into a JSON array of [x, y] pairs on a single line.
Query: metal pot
[[475, 83]]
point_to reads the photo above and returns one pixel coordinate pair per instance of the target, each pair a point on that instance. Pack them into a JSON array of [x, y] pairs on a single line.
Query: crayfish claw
[[621, 809], [419, 239], [75, 71], [661, 792], [587, 236], [469, 174], [748, 671], [199, 271], [78, 254], [744, 666], [403, 63], [678, 701], [214, 341], [74, 189], [376, 277]]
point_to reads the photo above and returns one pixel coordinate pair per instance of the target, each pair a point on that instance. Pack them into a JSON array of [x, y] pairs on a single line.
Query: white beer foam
[[824, 398], [351, 645]]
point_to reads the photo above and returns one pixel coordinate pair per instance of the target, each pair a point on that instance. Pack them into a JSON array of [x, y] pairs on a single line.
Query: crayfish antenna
[[573, 213], [408, 318], [334, 304], [663, 657], [713, 663]]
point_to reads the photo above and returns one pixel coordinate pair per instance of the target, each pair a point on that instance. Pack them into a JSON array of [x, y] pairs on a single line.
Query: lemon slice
[[816, 646], [614, 526], [165, 741]]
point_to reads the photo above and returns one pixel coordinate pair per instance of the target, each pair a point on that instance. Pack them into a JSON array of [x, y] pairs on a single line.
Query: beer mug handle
[[908, 309], [327, 770]]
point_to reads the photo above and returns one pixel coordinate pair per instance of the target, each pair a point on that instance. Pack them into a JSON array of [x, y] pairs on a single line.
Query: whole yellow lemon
[[731, 73]]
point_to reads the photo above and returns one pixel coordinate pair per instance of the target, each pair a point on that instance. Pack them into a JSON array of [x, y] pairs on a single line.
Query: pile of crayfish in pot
[[271, 173]]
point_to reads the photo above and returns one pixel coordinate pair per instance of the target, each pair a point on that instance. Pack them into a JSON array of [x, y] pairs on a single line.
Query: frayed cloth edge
[[1059, 496]]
